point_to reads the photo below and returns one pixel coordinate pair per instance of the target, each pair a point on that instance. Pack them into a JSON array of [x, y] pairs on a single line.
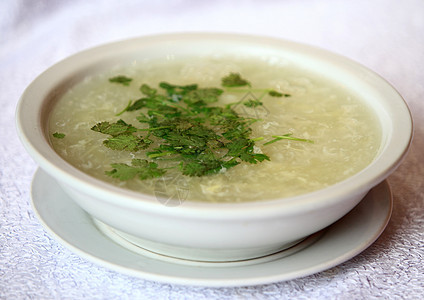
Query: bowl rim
[[32, 135]]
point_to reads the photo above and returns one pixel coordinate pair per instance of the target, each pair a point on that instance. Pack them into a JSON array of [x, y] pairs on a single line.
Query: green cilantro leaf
[[252, 103], [138, 104], [59, 135], [234, 80], [126, 142], [174, 90], [147, 90], [114, 129], [202, 166], [206, 95], [139, 167], [274, 93], [121, 80]]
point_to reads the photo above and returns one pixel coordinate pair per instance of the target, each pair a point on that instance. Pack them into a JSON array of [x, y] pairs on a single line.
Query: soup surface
[[345, 132]]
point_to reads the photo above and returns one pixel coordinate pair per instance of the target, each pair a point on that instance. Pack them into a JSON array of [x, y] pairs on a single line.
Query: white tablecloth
[[384, 35]]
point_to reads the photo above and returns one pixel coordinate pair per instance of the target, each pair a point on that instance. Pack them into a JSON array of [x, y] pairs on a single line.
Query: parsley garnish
[[139, 167], [287, 136], [181, 124], [121, 79], [274, 93], [233, 80], [253, 103], [59, 135], [122, 137]]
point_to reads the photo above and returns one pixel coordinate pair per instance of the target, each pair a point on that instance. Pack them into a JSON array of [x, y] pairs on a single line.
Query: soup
[[309, 132]]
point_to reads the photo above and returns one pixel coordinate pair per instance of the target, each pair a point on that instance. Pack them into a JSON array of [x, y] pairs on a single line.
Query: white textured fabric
[[385, 35]]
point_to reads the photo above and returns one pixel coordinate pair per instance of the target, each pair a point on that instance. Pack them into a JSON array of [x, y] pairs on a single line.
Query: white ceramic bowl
[[205, 231]]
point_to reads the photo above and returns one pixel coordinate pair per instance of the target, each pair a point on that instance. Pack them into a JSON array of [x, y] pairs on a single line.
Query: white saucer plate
[[75, 229]]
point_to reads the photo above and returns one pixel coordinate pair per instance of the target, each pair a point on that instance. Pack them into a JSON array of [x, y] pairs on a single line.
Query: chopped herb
[[177, 90], [182, 127], [125, 109], [204, 96], [114, 129], [252, 103], [274, 93], [126, 142], [287, 137], [147, 90], [139, 167], [121, 79], [265, 92], [59, 135], [122, 136], [233, 80]]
